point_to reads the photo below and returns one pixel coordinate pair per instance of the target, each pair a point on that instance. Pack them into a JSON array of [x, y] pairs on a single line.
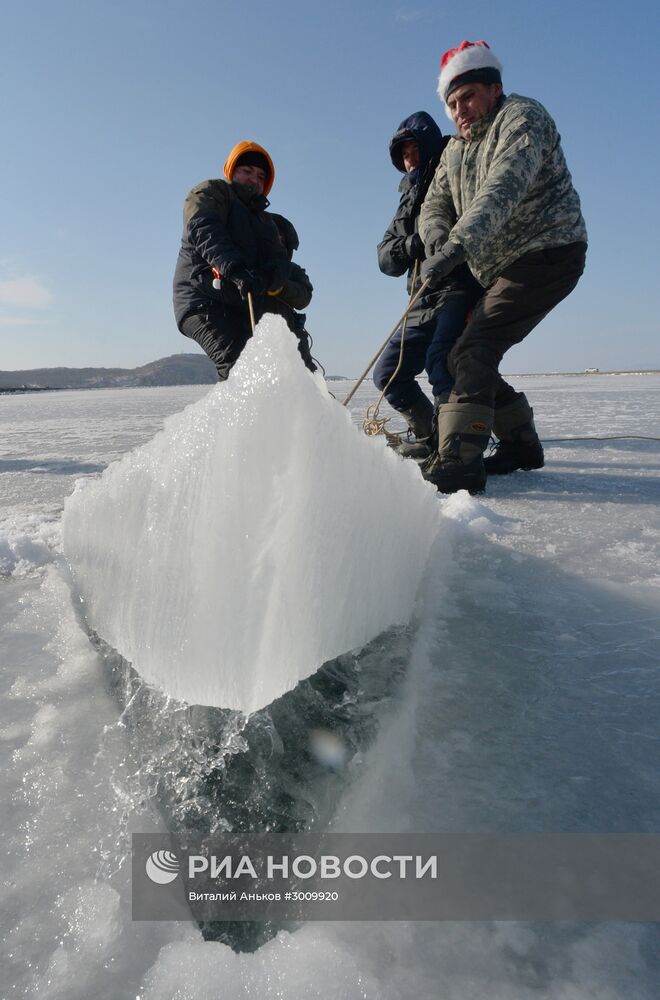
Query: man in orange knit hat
[[231, 247]]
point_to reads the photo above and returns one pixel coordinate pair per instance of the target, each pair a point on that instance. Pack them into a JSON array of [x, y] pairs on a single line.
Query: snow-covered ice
[[530, 702], [236, 552]]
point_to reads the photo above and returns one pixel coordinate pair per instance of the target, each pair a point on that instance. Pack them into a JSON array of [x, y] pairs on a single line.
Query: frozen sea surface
[[531, 702]]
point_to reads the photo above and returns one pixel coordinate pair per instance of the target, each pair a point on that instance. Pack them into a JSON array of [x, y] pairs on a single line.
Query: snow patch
[[474, 515], [27, 547], [298, 967]]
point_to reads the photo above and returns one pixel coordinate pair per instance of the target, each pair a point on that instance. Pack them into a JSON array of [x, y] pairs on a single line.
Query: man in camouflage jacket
[[501, 199]]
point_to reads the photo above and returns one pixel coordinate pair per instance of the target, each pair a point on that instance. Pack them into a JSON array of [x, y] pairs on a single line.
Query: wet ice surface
[[530, 703]]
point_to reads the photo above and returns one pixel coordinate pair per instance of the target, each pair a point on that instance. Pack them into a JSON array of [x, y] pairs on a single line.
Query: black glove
[[275, 275], [436, 268], [414, 247], [435, 240], [246, 281]]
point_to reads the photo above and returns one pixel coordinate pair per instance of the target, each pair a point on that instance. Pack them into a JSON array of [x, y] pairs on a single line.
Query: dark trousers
[[426, 347], [510, 309], [221, 338]]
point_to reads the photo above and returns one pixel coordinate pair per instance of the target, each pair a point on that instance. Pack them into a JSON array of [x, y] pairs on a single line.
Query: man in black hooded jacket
[[438, 317], [231, 248]]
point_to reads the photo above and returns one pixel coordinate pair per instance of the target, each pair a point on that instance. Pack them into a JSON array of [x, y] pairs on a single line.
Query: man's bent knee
[[474, 367]]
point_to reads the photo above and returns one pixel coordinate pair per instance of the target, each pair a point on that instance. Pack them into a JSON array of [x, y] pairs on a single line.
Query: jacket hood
[[425, 132], [287, 232], [249, 147]]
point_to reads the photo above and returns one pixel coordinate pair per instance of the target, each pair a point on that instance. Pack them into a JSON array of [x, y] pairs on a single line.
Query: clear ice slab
[[254, 538]]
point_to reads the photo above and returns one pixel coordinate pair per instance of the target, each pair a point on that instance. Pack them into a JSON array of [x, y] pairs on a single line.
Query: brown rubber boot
[[463, 433], [518, 446]]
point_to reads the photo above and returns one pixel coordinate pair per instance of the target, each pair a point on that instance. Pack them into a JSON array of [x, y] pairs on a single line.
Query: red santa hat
[[469, 62]]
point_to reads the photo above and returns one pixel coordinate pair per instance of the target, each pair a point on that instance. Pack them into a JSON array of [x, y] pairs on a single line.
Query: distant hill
[[178, 369]]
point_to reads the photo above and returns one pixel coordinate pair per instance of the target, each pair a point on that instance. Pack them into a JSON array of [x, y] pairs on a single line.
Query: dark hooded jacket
[[394, 257], [223, 224]]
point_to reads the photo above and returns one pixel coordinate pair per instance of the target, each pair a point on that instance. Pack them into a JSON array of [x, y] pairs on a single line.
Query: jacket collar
[[480, 127], [422, 176], [257, 202]]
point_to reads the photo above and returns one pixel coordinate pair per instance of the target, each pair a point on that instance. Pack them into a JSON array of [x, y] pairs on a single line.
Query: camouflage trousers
[[510, 309]]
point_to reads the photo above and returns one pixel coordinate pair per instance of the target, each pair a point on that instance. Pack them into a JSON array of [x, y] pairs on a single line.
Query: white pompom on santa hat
[[473, 58]]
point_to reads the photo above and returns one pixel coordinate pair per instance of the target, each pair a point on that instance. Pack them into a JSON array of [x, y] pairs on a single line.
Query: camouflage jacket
[[504, 192]]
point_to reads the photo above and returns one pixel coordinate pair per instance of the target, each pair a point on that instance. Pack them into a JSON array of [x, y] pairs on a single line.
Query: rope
[[614, 437], [372, 423], [311, 344], [611, 437], [380, 350]]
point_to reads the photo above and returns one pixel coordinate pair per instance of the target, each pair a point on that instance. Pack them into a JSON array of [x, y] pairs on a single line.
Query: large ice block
[[259, 534]]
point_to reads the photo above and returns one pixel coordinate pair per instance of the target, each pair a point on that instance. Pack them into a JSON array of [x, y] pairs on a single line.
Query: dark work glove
[[246, 281], [436, 268], [414, 247], [275, 275], [435, 240]]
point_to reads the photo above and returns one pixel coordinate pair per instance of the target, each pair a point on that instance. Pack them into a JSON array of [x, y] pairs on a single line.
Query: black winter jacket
[[222, 225], [394, 250]]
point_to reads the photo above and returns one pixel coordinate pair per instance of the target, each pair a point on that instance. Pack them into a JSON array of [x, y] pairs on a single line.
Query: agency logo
[[162, 867]]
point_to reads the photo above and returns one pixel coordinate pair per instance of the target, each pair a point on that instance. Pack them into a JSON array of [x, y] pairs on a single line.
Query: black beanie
[[253, 159]]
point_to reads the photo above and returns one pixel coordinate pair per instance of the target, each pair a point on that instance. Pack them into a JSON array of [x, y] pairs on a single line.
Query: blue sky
[[112, 112]]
